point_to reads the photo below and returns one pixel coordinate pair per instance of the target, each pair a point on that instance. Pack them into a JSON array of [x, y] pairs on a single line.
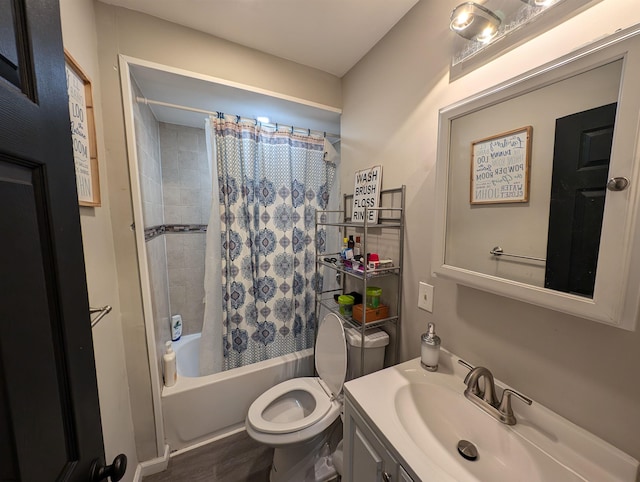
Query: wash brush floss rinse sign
[[366, 194]]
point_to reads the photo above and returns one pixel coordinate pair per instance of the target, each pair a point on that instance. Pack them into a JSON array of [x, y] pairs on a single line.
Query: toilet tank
[[375, 344]]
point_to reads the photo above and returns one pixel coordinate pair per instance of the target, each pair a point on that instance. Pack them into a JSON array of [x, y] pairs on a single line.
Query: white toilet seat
[[301, 409], [294, 418]]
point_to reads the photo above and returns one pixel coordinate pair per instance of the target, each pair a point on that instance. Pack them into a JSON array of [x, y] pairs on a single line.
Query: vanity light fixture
[[263, 119], [475, 22], [538, 3]]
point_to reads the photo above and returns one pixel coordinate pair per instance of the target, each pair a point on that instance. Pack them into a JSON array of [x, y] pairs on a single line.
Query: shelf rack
[[389, 218]]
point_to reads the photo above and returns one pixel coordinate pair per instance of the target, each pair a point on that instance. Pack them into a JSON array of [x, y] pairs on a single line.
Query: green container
[[373, 296], [346, 305]]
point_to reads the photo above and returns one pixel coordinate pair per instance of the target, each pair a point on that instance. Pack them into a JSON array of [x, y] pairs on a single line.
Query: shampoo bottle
[[169, 366], [430, 349], [176, 327]]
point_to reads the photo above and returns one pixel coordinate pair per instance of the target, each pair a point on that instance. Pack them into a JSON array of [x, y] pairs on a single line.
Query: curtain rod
[[144, 100]]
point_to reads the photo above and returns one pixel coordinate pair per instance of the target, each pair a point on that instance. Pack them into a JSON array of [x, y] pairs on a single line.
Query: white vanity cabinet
[[366, 458]]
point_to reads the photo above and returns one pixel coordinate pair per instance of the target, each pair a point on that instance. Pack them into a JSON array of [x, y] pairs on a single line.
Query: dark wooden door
[[49, 413], [581, 157]]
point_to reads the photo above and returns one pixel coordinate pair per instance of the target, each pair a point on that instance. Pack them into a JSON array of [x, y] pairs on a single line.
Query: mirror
[[522, 172]]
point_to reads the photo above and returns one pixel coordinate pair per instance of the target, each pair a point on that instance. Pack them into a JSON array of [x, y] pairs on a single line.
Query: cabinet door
[[367, 464], [366, 458], [403, 476]]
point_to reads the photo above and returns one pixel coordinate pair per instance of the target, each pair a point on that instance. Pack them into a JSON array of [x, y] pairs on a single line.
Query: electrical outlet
[[425, 297]]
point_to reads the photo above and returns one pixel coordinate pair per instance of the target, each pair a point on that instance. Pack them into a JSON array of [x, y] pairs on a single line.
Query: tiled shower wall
[[175, 186], [150, 174], [186, 182]]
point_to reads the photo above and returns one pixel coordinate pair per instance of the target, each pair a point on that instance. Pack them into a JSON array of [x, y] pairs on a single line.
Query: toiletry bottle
[[351, 243], [176, 327], [430, 349], [357, 247], [169, 366]]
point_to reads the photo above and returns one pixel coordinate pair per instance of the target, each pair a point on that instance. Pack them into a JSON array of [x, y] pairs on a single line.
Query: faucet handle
[[505, 405]]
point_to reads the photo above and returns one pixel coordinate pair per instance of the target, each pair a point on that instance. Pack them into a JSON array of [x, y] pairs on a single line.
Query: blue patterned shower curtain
[[270, 185]]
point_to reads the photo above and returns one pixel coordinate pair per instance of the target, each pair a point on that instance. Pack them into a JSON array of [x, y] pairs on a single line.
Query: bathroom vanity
[[405, 424]]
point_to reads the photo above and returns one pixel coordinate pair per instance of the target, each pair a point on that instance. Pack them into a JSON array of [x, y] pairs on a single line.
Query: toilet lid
[[331, 353]]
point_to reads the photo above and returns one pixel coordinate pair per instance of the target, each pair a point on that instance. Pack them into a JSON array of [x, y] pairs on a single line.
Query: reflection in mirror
[[559, 226], [581, 155]]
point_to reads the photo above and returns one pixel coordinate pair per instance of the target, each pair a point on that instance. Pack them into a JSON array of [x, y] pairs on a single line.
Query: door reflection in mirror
[[581, 155]]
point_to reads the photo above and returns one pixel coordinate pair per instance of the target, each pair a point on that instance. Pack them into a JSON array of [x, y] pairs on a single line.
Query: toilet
[[299, 417]]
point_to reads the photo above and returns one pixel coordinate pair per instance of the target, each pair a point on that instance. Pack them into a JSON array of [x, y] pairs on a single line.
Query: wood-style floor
[[237, 458]]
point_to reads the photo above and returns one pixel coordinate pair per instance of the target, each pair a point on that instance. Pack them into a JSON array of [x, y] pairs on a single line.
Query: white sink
[[423, 415], [428, 411]]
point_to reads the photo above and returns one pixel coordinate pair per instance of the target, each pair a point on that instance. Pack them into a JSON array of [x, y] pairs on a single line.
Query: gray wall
[[585, 371]]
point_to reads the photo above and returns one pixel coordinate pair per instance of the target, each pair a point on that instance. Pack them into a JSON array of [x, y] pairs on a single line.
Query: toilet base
[[306, 462]]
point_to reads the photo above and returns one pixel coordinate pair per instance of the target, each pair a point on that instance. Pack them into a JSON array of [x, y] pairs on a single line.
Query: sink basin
[[421, 416], [430, 412]]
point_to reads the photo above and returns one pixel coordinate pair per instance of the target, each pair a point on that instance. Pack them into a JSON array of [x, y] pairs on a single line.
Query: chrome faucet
[[487, 392], [485, 396]]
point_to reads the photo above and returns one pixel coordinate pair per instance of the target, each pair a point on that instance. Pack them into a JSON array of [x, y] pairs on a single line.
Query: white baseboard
[[153, 466]]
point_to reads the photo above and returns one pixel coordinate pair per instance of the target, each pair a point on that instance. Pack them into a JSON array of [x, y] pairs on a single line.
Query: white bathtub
[[199, 409]]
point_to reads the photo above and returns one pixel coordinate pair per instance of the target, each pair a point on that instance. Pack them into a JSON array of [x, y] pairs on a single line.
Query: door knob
[[116, 470], [617, 184]]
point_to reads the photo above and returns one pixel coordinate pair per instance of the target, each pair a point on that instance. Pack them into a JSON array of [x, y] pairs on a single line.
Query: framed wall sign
[[500, 168], [366, 194], [83, 133]]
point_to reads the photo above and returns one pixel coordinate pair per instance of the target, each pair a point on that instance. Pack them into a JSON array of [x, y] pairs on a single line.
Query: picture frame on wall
[[500, 167], [83, 133]]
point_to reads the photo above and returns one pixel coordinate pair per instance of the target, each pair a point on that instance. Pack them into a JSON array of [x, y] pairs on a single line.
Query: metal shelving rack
[[389, 218]]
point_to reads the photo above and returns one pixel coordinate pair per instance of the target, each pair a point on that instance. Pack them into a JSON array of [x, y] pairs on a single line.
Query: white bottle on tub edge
[[169, 366]]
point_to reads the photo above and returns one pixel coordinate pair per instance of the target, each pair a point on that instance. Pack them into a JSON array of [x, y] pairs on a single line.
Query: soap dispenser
[[169, 365], [430, 349]]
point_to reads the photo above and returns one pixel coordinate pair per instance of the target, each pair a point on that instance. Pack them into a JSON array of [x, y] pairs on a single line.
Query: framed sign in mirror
[[83, 133], [500, 168]]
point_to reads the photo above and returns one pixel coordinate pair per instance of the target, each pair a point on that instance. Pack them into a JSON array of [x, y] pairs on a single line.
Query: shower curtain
[[270, 184]]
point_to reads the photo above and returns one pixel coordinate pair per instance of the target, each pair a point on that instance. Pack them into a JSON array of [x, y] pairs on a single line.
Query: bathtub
[[201, 409]]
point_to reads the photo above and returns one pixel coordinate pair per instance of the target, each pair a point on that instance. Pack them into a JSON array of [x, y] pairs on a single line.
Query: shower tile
[[175, 259], [168, 136], [173, 215], [189, 197], [193, 258], [171, 196], [195, 288], [196, 241], [175, 242], [190, 214], [178, 277], [171, 177], [188, 160], [169, 158], [187, 139], [189, 178], [177, 298]]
